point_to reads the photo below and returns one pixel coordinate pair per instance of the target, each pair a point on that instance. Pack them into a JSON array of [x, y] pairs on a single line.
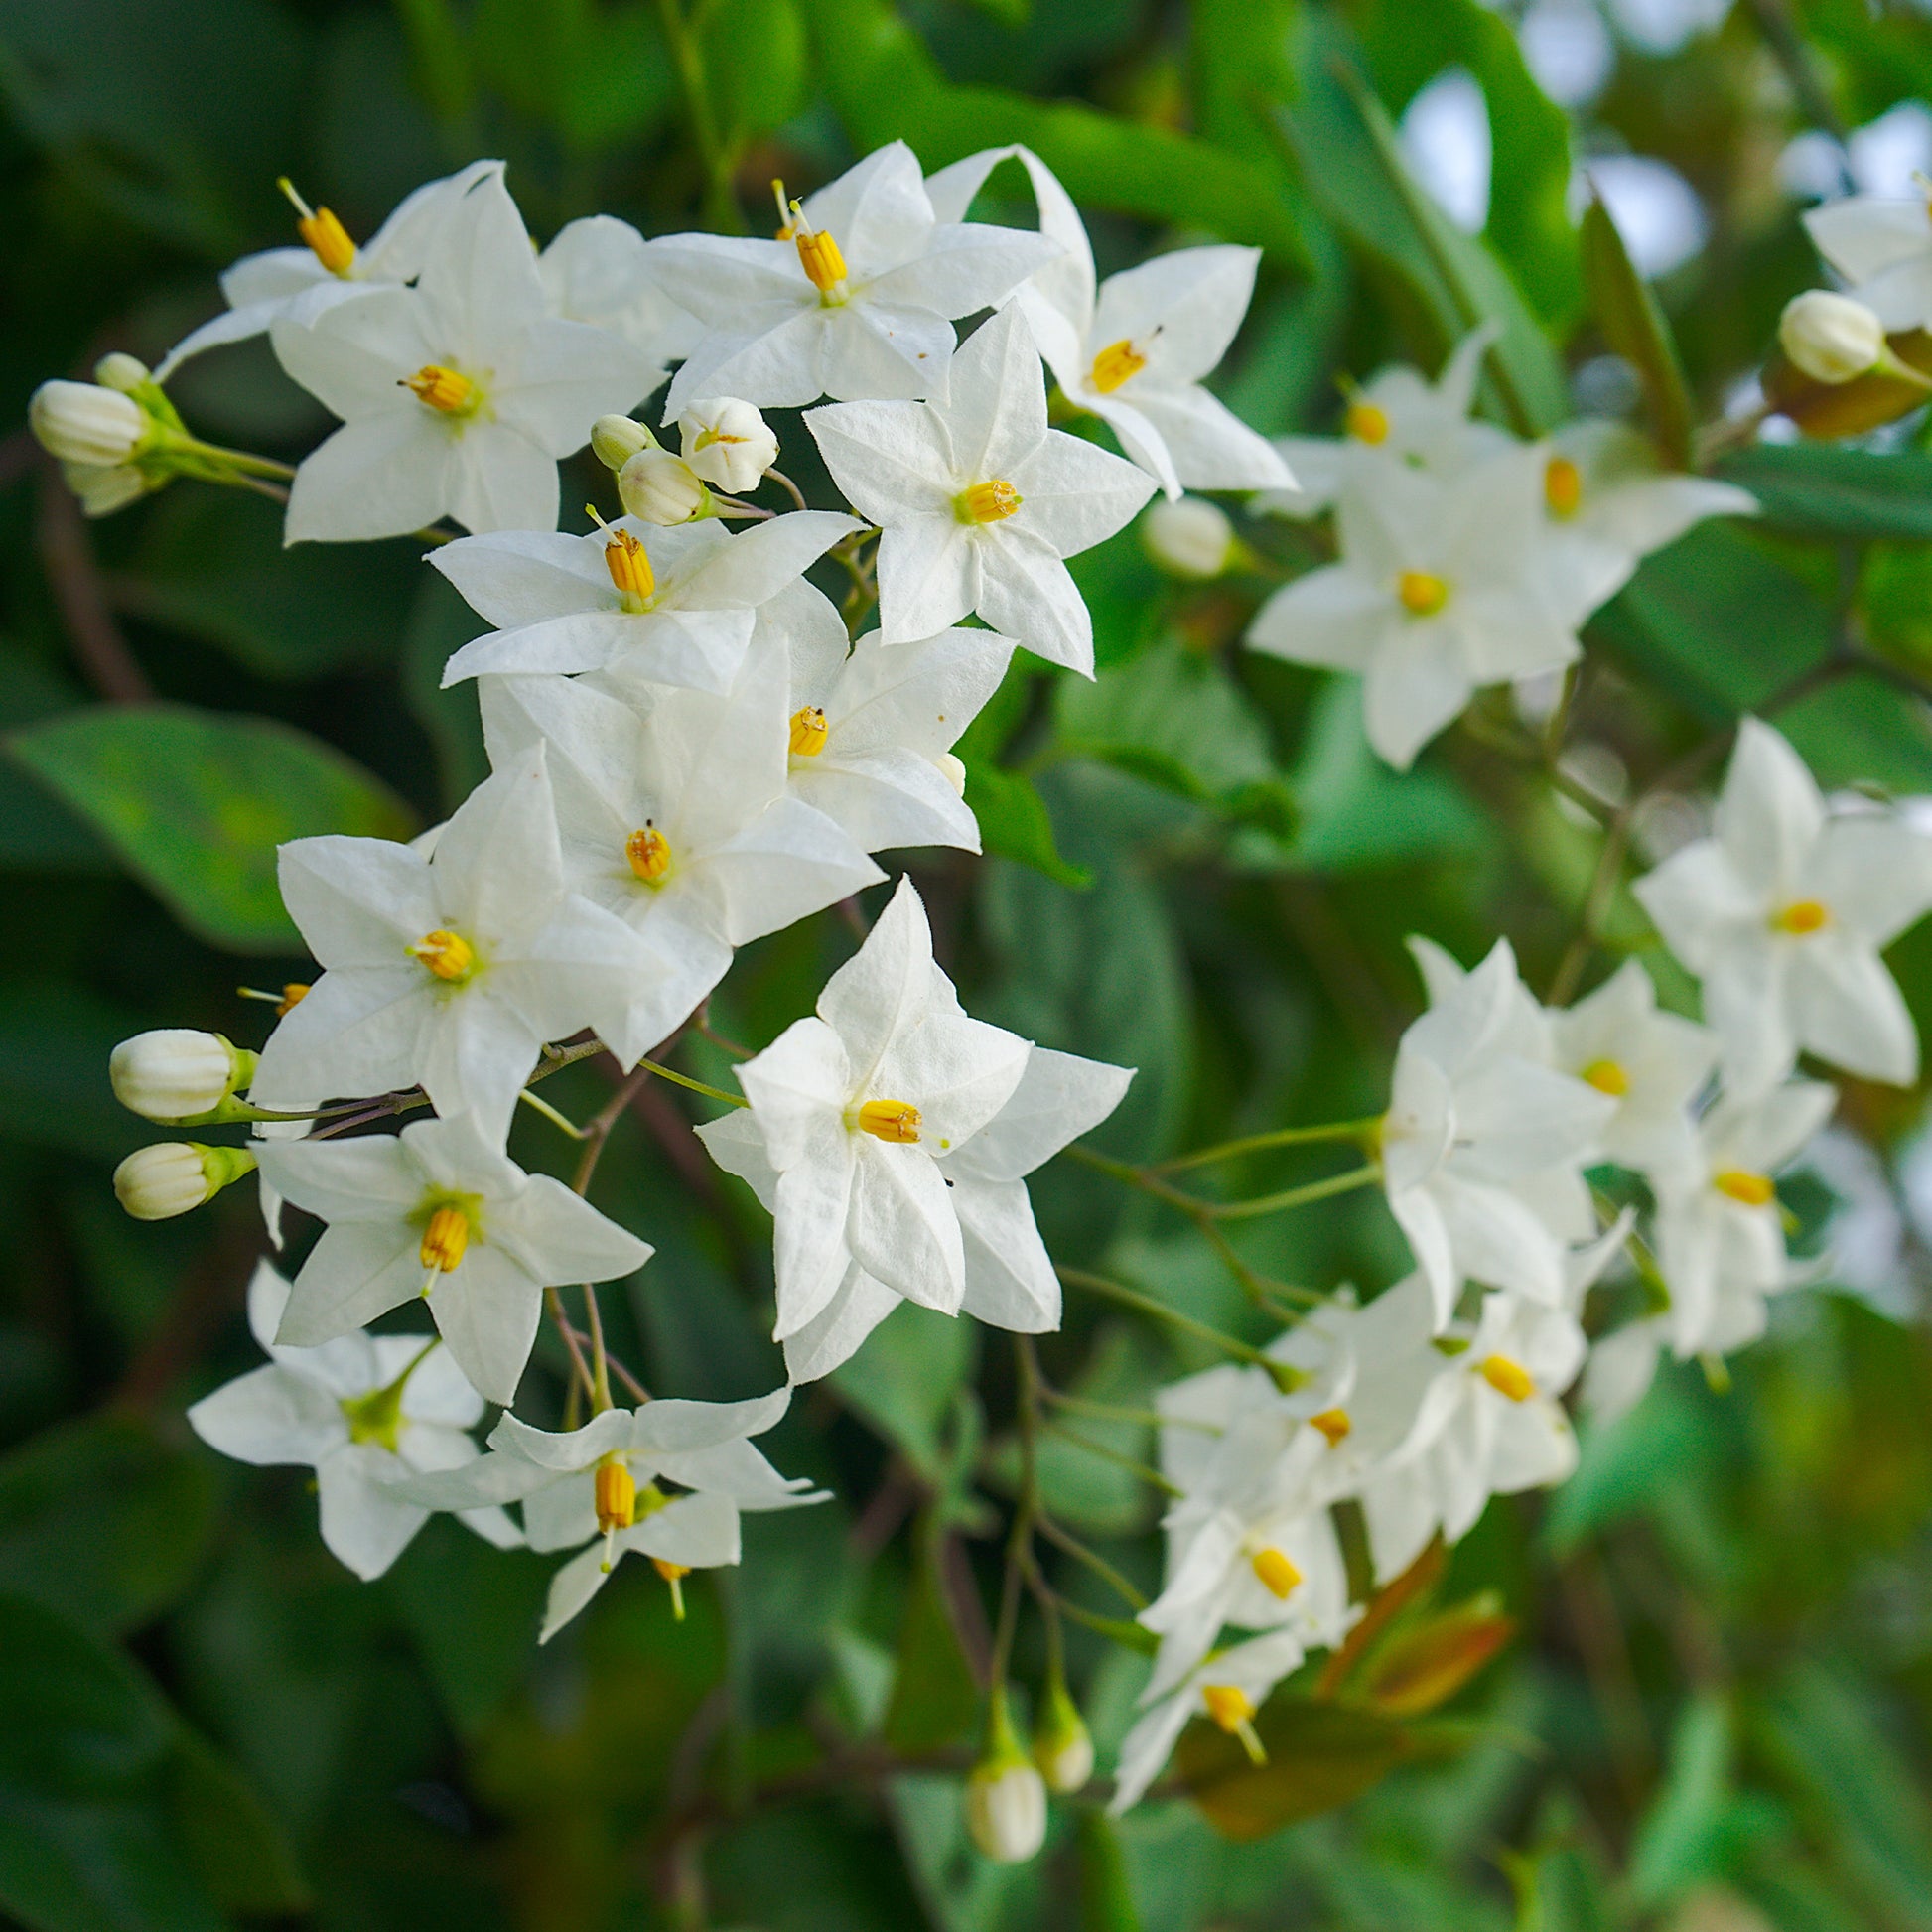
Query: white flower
[[599, 1486], [1608, 504], [1783, 912], [171, 1178], [661, 489], [451, 968], [1228, 1688], [85, 424], [890, 1136], [1884, 250], [1650, 1063], [601, 271], [458, 394], [1482, 1145], [1006, 1807], [1829, 337], [1438, 591], [362, 1410], [979, 501], [1192, 538], [438, 1212], [856, 300], [675, 818], [667, 607], [174, 1073], [872, 728], [726, 441], [1720, 1229], [300, 283]]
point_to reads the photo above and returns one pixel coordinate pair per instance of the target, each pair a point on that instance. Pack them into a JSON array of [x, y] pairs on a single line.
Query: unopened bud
[[1190, 538], [155, 1184], [175, 1074], [1062, 1743], [1831, 337], [1006, 1797], [728, 443], [104, 487], [80, 422], [119, 370], [617, 438], [659, 487]]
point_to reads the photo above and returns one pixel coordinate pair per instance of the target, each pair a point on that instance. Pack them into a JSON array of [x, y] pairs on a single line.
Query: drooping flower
[[1783, 912], [361, 1410], [978, 502]]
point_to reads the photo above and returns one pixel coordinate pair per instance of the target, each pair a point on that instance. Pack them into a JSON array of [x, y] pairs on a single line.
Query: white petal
[[364, 1522], [270, 1415]]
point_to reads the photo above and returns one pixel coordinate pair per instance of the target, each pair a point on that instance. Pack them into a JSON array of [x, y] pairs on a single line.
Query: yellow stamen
[[446, 955], [788, 227], [1563, 487], [444, 1241], [650, 853], [444, 390], [1278, 1575], [293, 993], [1509, 1378], [889, 1120], [1115, 365], [616, 1491], [1802, 918], [987, 503], [1748, 1190], [808, 732], [1421, 594], [1366, 422], [1333, 1424], [1606, 1076], [319, 227], [1229, 1706], [818, 256], [630, 566], [673, 1574]]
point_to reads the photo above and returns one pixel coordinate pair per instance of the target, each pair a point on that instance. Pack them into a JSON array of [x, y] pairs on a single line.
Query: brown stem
[[68, 557]]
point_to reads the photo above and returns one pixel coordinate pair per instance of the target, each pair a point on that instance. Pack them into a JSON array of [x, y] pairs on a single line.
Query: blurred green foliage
[[1717, 1714]]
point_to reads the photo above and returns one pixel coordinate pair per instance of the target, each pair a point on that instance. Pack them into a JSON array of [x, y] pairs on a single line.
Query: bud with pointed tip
[[155, 1184], [617, 438], [728, 443], [1831, 337], [1062, 1743], [80, 422], [659, 487], [1006, 1797], [176, 1073], [1190, 538], [119, 370]]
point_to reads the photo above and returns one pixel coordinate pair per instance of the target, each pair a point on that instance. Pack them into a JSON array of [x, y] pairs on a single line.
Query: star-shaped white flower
[[872, 729], [890, 1137], [664, 606], [1884, 249], [361, 1410], [1483, 1144], [674, 817], [600, 1486], [979, 503], [450, 967], [300, 283], [438, 1212], [1440, 589], [1783, 912], [456, 395], [857, 299]]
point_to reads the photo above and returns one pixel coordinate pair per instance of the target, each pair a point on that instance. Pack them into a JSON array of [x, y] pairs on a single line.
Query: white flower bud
[[660, 487], [728, 443], [80, 422], [174, 1073], [1190, 538], [1062, 1743], [1005, 1808], [119, 370], [155, 1184], [617, 438], [953, 770], [1831, 337], [104, 487]]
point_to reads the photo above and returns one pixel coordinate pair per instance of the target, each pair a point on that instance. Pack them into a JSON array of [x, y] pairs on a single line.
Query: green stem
[[696, 1086], [1364, 1131], [1082, 1405], [720, 204], [1280, 1373], [1093, 1559], [1146, 1471], [537, 1104], [1315, 1191]]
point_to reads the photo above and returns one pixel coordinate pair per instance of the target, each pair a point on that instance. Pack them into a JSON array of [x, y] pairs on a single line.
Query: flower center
[[1231, 1708], [1333, 1424], [1606, 1076], [650, 854], [1748, 1190], [1563, 487], [446, 391], [987, 503], [1802, 918], [819, 257], [1366, 422], [808, 732], [448, 955], [1115, 365], [1421, 594], [445, 1240], [1509, 1378], [630, 566], [616, 1493], [1278, 1575], [328, 239], [895, 1121]]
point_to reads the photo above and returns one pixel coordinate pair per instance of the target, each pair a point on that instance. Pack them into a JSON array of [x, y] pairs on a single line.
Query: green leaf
[[1427, 1663], [195, 803], [756, 54], [1818, 489], [906, 1378], [232, 1843], [1106, 1896], [1013, 817], [1635, 328], [55, 1040], [1627, 1466], [1682, 1838], [934, 1699]]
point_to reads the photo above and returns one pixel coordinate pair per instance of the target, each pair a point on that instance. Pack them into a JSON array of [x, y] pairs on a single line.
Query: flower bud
[[106, 488], [1062, 1743], [660, 487], [80, 422], [1005, 1809], [728, 443], [1831, 337], [1190, 539], [175, 1074], [617, 438], [121, 371], [155, 1184]]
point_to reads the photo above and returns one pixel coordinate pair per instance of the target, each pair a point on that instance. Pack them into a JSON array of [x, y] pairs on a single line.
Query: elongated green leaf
[[1818, 489], [1013, 817], [1633, 325], [934, 1699], [195, 803], [904, 1379]]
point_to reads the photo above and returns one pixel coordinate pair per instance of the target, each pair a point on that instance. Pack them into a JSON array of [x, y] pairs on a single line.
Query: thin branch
[[68, 556]]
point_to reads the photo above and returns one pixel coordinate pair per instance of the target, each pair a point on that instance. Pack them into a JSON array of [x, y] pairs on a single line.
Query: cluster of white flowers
[[692, 746]]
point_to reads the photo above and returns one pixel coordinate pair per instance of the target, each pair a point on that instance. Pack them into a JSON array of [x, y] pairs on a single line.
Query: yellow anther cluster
[[650, 853], [1366, 422], [293, 993], [1509, 1378], [889, 1120], [1115, 365], [1233, 1709], [818, 254], [446, 391], [1277, 1575], [808, 732], [1803, 917], [630, 566], [1563, 487], [614, 1490], [1422, 593], [1748, 1190], [1608, 1076], [1333, 1424], [448, 955], [987, 503], [328, 239], [445, 1240]]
